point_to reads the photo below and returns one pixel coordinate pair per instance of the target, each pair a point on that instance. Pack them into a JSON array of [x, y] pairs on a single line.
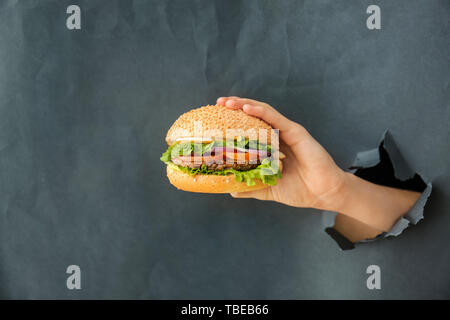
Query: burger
[[214, 149]]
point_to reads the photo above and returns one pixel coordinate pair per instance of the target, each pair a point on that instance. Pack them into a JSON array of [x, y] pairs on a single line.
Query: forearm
[[378, 207], [354, 230]]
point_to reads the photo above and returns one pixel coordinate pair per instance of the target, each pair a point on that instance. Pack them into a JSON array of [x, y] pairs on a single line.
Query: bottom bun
[[210, 183]]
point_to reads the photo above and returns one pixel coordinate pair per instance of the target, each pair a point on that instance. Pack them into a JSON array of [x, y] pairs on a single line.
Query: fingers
[[263, 194], [269, 115], [257, 109], [234, 102], [223, 100], [291, 132]]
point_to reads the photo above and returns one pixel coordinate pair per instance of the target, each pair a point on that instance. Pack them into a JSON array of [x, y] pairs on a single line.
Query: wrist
[[349, 186], [339, 198], [374, 205]]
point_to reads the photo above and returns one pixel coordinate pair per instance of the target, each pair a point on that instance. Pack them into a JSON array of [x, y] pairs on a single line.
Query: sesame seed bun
[[210, 183], [216, 119]]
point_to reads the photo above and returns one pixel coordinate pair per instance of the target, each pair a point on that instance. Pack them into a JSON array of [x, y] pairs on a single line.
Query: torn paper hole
[[386, 166]]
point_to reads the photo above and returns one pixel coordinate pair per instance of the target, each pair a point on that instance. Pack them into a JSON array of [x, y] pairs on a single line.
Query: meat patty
[[214, 165]]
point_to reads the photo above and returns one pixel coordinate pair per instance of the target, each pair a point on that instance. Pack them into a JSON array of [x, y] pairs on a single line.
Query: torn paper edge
[[402, 171]]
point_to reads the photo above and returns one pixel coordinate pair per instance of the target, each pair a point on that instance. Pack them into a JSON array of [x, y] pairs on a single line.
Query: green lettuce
[[187, 148], [268, 171]]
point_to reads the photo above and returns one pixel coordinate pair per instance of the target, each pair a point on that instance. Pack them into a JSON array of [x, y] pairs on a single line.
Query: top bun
[[218, 119]]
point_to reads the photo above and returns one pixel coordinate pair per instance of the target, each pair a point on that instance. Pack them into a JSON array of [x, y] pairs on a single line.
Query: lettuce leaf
[[267, 171], [166, 156], [187, 148]]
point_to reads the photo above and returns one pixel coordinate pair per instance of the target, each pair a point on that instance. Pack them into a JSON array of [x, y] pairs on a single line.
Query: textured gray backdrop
[[83, 116]]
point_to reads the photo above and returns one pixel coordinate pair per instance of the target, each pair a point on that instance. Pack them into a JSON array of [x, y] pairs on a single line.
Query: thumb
[[262, 194]]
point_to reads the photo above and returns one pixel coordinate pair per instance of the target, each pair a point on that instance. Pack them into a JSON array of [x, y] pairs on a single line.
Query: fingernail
[[230, 103], [246, 107]]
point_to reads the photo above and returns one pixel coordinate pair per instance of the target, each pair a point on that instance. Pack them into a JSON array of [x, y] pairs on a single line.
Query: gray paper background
[[83, 116]]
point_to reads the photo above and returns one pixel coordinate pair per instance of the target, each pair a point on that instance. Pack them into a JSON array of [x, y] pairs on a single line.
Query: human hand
[[312, 179], [310, 176]]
